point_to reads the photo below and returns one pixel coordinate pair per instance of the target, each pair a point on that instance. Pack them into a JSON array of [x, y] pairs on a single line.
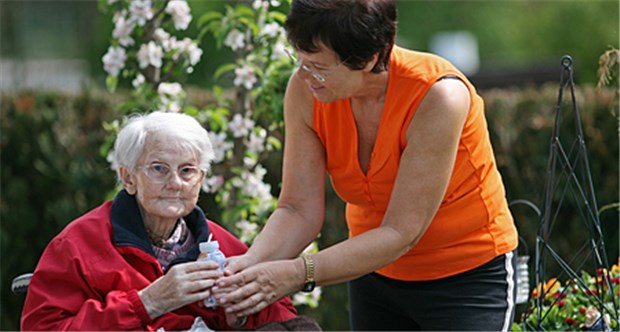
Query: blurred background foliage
[[50, 130]]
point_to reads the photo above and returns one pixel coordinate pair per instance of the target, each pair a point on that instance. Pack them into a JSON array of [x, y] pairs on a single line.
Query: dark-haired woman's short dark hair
[[354, 29]]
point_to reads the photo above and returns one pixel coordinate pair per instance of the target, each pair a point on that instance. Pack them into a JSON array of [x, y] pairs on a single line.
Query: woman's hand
[[259, 286], [183, 284], [235, 264]]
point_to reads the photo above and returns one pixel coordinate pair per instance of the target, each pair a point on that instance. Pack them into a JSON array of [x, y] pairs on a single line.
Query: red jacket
[[89, 275]]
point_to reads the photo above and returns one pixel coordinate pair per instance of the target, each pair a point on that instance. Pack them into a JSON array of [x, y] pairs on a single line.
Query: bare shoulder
[[450, 95], [298, 101], [444, 109]]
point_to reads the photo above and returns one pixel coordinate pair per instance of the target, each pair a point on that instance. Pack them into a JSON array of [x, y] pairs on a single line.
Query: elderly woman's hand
[[183, 284], [258, 286]]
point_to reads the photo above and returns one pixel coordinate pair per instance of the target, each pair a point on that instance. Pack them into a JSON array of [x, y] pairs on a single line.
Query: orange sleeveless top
[[473, 224]]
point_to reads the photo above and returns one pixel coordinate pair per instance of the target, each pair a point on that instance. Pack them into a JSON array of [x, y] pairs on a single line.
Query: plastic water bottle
[[210, 251]]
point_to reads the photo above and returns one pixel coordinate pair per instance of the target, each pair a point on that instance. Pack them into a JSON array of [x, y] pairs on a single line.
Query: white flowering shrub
[[146, 50], [244, 121]]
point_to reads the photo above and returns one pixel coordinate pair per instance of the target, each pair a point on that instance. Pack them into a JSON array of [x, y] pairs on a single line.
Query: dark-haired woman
[[404, 139]]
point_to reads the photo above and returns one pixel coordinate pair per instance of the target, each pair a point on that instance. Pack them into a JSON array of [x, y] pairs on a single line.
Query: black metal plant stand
[[568, 178]]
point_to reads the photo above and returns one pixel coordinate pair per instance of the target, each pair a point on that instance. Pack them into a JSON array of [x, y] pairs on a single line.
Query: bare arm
[[424, 172], [298, 217]]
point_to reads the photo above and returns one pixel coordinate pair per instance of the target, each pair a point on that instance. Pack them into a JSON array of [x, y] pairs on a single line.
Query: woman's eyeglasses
[[319, 77], [160, 173]]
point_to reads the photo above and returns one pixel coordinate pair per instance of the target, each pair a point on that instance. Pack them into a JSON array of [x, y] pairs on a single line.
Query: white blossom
[[256, 143], [170, 89], [256, 4], [310, 299], [118, 15], [278, 50], [150, 54], [162, 37], [212, 184], [114, 60], [112, 160], [249, 162], [244, 76], [259, 172], [111, 1], [235, 40], [220, 145], [193, 51], [180, 13], [140, 11], [139, 80], [265, 206], [237, 182], [185, 47], [248, 230], [271, 30], [240, 126], [170, 95], [122, 31], [253, 185]]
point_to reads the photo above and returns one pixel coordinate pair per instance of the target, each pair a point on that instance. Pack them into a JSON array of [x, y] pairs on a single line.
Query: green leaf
[[191, 110], [208, 18], [218, 91], [278, 16], [223, 69], [274, 142], [244, 11], [111, 82], [235, 213]]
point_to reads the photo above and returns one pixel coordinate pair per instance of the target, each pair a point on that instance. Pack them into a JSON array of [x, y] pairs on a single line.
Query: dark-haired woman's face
[[325, 75]]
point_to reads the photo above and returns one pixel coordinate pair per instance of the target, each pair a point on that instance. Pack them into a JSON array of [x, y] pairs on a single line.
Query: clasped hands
[[242, 289], [247, 288]]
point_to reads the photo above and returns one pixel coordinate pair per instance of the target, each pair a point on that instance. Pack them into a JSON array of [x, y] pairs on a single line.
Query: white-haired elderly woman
[[130, 264]]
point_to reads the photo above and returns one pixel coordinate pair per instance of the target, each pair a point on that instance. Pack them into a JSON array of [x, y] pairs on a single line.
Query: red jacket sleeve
[[60, 298]]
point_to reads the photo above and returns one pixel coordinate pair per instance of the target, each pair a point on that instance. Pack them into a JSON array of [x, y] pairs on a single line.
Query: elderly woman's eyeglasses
[[319, 77], [160, 173]]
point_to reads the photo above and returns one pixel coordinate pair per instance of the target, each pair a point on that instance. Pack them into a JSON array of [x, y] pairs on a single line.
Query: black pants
[[481, 299]]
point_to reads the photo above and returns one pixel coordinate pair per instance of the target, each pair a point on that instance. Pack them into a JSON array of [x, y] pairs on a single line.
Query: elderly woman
[[130, 264]]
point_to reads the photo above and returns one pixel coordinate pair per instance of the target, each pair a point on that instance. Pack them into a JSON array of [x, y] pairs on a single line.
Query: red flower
[[569, 321], [561, 303], [582, 310]]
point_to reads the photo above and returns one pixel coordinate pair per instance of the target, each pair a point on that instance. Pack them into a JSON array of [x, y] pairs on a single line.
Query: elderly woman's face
[[166, 183]]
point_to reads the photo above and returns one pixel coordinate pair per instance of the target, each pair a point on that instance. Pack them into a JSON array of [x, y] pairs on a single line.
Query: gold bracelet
[[310, 282]]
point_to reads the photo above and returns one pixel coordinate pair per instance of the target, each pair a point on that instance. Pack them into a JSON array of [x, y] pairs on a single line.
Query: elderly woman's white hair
[[177, 128]]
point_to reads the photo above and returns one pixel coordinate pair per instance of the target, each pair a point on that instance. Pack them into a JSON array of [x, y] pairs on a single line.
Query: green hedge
[[52, 172]]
